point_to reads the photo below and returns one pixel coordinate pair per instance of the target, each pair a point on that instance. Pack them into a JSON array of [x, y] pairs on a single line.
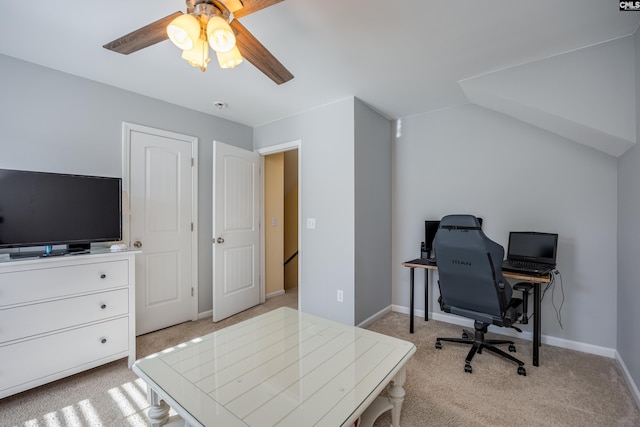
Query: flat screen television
[[430, 230], [47, 209]]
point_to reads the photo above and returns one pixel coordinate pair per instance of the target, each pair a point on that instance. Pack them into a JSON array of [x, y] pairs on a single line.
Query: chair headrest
[[462, 222]]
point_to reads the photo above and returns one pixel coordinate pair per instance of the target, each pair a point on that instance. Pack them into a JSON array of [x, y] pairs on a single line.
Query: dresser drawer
[[28, 320], [50, 356], [37, 284]]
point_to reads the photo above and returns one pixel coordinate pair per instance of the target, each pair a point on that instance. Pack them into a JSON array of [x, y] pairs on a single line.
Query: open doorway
[[281, 265]]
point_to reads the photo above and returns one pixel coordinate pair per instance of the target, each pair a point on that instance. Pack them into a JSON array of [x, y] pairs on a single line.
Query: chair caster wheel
[[465, 335], [438, 344], [512, 348], [522, 371], [467, 368]]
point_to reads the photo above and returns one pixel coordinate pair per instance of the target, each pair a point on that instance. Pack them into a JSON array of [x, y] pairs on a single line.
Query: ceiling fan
[[209, 23]]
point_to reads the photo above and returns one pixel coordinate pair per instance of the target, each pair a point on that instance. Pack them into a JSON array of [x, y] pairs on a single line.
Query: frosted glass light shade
[[220, 35], [229, 59], [184, 31], [198, 56]]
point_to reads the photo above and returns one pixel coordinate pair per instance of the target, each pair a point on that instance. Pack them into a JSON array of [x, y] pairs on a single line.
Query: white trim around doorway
[[265, 151], [127, 128]]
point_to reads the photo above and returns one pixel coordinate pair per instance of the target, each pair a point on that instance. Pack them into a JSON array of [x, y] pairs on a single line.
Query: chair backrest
[[470, 269]]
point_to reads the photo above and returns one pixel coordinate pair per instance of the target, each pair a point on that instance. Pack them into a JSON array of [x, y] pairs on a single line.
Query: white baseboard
[[275, 294], [554, 341], [405, 310], [366, 322], [627, 376], [557, 342], [205, 314]]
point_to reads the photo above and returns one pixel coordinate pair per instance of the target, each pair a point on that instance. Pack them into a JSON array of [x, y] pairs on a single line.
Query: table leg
[[159, 411], [426, 295], [537, 315], [412, 276], [396, 396]]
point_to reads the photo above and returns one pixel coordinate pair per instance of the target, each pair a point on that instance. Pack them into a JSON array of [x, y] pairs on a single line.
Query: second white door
[[236, 233]]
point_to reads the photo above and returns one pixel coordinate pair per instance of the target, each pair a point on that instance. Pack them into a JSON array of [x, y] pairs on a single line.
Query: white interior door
[[236, 234], [161, 194]]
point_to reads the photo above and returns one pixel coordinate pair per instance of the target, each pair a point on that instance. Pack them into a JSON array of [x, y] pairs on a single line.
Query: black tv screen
[[43, 209]]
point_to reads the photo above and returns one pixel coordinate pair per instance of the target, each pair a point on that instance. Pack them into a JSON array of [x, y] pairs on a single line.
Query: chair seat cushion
[[511, 315]]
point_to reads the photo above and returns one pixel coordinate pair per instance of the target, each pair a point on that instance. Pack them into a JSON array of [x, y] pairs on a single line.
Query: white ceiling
[[401, 57]]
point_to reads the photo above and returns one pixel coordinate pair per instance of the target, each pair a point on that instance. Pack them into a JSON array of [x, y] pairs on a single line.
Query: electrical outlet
[[311, 223], [340, 295]]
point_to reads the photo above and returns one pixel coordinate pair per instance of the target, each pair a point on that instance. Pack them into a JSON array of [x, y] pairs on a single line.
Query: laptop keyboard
[[529, 265]]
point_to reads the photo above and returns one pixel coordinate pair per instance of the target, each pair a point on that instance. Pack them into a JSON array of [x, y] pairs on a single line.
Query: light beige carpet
[[568, 389]]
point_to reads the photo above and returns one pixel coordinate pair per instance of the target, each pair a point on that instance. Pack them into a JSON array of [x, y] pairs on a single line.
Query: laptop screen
[[533, 246]]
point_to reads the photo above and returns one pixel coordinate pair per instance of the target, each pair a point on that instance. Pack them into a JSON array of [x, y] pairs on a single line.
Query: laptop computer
[[531, 253]]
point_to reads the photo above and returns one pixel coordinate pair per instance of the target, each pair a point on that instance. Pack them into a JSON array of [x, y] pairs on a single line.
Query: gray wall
[[629, 245], [372, 212], [472, 160], [326, 253], [52, 121]]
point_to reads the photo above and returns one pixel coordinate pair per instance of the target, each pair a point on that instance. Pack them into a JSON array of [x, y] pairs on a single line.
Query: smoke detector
[[220, 105]]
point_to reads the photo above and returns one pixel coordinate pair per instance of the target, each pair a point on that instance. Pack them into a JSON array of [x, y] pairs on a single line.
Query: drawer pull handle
[[103, 306], [103, 276], [103, 340]]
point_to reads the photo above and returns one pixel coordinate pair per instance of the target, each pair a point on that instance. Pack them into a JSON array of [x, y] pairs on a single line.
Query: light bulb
[[184, 31], [229, 59], [198, 56], [220, 35]]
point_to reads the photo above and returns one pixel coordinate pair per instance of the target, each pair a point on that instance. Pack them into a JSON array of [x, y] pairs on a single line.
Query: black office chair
[[471, 285]]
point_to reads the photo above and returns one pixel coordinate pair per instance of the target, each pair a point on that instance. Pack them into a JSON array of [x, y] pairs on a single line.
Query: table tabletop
[[432, 265], [284, 368]]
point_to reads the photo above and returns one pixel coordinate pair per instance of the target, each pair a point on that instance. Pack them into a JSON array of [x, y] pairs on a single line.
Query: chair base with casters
[[478, 343]]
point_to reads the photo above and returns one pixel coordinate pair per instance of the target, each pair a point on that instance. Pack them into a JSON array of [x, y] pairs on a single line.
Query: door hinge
[[191, 226], [191, 291], [193, 162]]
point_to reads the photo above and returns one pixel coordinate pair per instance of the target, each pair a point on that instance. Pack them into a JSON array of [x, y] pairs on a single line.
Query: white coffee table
[[283, 368]]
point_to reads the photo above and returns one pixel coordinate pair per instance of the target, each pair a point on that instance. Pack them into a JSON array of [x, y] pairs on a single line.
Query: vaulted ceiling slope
[[586, 95]]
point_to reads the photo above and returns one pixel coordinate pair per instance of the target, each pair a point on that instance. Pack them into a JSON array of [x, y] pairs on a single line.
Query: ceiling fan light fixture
[[220, 35], [184, 31], [198, 56], [229, 59]]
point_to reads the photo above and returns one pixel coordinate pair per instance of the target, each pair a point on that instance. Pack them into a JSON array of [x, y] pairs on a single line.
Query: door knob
[[137, 244], [220, 240]]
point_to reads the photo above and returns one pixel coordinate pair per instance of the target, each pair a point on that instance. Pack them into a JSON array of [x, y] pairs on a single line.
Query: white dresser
[[63, 315]]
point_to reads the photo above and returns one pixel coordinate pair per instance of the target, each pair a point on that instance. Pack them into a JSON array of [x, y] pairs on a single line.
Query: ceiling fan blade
[[142, 37], [250, 6], [253, 51]]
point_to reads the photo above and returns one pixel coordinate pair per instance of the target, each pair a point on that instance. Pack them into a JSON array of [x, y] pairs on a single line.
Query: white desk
[[283, 368]]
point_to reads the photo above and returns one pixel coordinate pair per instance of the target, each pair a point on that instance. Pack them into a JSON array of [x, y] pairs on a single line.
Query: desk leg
[[426, 295], [412, 276], [537, 315]]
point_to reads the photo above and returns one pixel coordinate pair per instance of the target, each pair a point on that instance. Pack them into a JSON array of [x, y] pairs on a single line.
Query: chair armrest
[[525, 288]]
